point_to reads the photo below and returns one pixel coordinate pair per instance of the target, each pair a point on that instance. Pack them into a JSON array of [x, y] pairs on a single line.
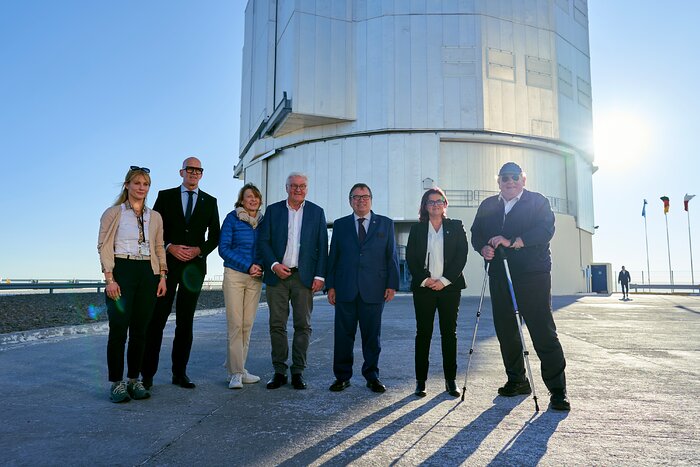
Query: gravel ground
[[37, 311]]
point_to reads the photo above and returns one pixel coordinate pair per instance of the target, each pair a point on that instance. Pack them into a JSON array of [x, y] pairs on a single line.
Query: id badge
[[145, 248]]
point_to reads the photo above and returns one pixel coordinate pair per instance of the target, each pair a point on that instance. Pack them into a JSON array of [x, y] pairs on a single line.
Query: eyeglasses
[[142, 169], [194, 170], [360, 197], [505, 178], [295, 187], [435, 202]]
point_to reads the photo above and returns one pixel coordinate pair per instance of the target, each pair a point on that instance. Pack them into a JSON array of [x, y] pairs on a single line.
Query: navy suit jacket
[[313, 249], [367, 269]]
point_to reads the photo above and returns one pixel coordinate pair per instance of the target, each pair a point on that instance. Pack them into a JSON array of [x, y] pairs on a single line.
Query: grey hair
[[297, 174]]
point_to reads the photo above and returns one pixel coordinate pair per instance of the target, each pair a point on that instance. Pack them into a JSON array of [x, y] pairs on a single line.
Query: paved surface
[[633, 371]]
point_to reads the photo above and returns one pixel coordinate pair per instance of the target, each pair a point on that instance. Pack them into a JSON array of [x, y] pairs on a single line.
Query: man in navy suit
[[363, 274], [293, 243], [191, 231]]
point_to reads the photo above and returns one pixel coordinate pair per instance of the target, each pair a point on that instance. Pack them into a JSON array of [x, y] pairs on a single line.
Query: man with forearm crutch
[[522, 222]]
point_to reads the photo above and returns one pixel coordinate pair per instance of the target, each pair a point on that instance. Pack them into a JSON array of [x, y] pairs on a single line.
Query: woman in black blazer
[[436, 254]]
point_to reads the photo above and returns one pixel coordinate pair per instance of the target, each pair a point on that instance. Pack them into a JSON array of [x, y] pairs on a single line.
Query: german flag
[[666, 206]]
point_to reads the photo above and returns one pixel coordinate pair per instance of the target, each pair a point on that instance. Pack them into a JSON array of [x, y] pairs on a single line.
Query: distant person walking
[[624, 279], [191, 231], [242, 280], [130, 245], [436, 254]]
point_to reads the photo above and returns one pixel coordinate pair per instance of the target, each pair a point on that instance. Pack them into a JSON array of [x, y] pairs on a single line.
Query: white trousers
[[241, 295]]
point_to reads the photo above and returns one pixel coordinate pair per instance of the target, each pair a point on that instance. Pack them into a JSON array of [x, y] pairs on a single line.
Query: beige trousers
[[241, 295]]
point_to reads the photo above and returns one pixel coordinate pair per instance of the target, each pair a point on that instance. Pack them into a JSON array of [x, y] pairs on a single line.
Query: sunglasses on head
[[142, 169], [505, 178]]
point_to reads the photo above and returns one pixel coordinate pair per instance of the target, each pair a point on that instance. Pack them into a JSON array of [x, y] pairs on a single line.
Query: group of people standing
[[151, 256]]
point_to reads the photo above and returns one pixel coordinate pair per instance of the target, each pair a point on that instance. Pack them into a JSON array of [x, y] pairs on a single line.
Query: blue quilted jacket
[[237, 243]]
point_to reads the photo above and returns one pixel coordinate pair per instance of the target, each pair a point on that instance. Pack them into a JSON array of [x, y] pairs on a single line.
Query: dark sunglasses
[[505, 178], [142, 169]]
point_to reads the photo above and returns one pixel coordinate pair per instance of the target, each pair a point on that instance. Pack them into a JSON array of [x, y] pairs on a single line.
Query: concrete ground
[[633, 374]]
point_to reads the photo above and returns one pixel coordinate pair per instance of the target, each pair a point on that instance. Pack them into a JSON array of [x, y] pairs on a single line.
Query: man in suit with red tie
[[190, 232], [363, 274]]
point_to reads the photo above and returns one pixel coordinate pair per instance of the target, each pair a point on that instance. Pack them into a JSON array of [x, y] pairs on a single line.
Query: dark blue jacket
[[531, 219], [237, 244], [367, 268], [313, 249]]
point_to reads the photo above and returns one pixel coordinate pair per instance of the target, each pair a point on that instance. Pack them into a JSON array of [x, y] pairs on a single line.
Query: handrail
[[66, 284]]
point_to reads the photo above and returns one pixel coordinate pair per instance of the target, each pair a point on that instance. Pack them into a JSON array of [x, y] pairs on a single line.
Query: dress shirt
[[365, 222], [126, 240], [291, 254], [435, 255], [509, 204], [185, 196]]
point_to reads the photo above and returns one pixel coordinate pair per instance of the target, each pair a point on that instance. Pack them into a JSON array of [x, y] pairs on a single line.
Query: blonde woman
[[242, 280], [132, 255]]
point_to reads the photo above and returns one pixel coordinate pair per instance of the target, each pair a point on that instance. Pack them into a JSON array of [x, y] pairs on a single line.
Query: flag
[[665, 200], [686, 199], [644, 209]]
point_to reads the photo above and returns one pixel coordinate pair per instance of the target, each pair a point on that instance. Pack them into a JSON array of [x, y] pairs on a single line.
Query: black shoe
[[514, 388], [451, 388], [298, 381], [147, 382], [183, 381], [420, 389], [376, 386], [277, 380], [558, 400], [339, 385]]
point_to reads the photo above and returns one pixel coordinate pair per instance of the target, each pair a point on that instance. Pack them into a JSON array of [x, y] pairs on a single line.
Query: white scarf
[[243, 215]]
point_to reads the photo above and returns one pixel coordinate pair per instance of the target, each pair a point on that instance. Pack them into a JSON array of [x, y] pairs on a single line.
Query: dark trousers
[[446, 302], [347, 316], [186, 279], [130, 314], [533, 294], [625, 288], [278, 298]]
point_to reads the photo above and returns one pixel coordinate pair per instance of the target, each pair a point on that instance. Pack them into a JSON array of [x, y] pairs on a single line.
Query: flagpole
[[668, 248], [690, 243], [646, 240]]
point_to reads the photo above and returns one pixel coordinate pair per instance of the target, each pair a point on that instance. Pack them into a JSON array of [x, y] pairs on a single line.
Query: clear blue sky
[[88, 88]]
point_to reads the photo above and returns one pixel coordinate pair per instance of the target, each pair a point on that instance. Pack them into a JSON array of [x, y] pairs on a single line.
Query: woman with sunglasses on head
[[132, 255], [436, 254], [242, 280]]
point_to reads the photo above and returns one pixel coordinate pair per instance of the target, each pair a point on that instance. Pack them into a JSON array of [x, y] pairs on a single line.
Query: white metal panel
[[418, 74]]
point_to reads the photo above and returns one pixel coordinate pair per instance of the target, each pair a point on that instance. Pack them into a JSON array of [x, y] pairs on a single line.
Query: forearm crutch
[[501, 252], [476, 326]]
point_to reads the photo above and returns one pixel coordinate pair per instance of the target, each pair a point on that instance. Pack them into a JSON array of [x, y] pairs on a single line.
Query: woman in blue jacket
[[242, 280]]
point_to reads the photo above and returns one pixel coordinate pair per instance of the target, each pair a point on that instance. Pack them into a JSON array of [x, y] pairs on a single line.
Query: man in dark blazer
[[363, 274], [293, 243], [522, 222], [190, 232]]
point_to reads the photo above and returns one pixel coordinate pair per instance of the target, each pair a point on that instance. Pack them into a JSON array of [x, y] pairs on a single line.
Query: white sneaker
[[236, 381], [248, 378]]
